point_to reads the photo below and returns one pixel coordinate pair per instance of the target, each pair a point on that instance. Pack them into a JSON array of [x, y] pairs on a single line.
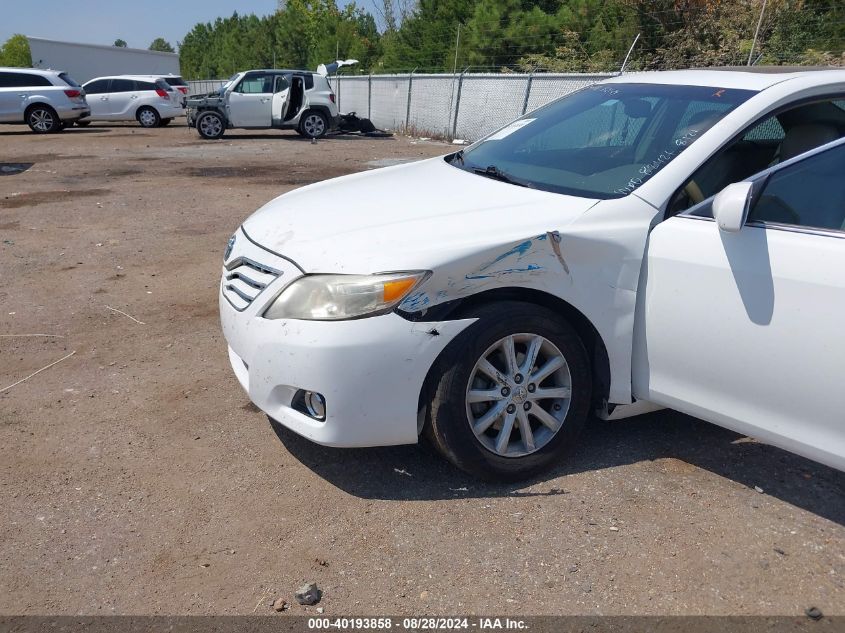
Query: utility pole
[[756, 32]]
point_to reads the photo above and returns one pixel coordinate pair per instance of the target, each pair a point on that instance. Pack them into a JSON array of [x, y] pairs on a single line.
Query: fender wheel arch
[[589, 335]]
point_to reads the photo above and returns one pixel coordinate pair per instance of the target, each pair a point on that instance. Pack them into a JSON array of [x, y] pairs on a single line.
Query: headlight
[[338, 297]]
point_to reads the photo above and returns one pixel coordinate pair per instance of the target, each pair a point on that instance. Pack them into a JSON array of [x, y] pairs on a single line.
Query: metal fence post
[[458, 103], [408, 110], [370, 96], [338, 92], [527, 91]]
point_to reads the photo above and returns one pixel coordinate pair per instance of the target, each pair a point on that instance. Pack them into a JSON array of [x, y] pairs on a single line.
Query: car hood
[[410, 216]]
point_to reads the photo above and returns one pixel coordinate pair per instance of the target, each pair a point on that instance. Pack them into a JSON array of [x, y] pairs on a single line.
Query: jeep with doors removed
[[262, 99]]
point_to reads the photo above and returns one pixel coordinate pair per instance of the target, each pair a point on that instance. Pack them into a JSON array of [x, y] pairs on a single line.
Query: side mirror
[[731, 205]]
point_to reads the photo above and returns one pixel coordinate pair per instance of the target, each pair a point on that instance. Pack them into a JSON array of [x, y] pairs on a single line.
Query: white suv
[[259, 99], [150, 100], [46, 100]]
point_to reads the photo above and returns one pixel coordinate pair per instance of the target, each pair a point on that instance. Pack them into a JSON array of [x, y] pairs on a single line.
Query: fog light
[[315, 404]]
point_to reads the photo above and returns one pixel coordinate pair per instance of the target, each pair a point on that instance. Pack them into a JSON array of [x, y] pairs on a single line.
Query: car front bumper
[[370, 371]]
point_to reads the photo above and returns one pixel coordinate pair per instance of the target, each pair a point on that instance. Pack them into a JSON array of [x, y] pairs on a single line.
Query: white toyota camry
[[671, 239]]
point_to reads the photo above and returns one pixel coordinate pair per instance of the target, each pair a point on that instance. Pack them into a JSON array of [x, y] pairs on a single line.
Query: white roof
[[31, 71], [758, 79], [132, 77]]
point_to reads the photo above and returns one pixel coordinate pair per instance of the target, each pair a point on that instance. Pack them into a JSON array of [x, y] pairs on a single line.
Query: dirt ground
[[136, 478]]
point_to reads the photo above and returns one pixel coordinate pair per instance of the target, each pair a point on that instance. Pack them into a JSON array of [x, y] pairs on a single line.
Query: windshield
[[601, 142], [228, 83]]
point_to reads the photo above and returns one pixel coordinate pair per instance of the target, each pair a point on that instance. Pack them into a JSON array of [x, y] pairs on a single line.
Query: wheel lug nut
[[506, 392], [526, 406], [511, 408], [557, 407], [517, 379], [532, 388]]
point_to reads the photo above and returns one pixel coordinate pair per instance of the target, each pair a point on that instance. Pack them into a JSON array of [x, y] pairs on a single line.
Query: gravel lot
[[136, 478]]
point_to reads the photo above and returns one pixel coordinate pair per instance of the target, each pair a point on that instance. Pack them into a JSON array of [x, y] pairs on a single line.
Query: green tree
[[15, 52], [120, 43], [162, 45]]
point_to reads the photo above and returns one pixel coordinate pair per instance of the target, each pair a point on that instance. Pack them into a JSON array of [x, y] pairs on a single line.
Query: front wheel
[[313, 125], [510, 395], [210, 125], [42, 119], [148, 117]]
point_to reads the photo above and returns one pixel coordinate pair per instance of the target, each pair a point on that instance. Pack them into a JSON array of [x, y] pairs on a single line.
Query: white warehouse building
[[86, 61]]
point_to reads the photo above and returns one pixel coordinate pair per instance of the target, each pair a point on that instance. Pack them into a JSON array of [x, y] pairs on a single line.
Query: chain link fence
[[465, 106]]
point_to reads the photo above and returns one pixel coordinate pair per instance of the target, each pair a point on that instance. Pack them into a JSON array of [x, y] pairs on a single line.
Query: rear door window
[[122, 85], [25, 80]]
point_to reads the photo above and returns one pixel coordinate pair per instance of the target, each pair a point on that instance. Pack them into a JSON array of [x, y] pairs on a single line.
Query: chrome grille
[[245, 279]]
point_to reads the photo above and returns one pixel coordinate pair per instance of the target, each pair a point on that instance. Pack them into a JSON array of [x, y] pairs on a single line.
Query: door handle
[[264, 99], [134, 97], [23, 96]]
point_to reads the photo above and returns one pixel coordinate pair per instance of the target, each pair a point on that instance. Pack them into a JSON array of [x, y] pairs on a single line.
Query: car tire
[[211, 125], [42, 119], [165, 122], [148, 117], [476, 420], [313, 124], [83, 123]]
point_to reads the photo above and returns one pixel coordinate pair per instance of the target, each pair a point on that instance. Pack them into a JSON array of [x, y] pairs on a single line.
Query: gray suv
[[260, 99], [46, 100]]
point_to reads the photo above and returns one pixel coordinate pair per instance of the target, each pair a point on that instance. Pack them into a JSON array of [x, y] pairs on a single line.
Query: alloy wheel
[[518, 395], [41, 120], [210, 126], [314, 125]]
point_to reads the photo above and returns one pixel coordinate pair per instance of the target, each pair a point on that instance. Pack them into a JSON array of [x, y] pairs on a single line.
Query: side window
[[6, 80], [768, 142], [256, 84], [145, 85], [810, 193], [309, 81], [281, 84], [33, 80], [122, 85], [97, 87]]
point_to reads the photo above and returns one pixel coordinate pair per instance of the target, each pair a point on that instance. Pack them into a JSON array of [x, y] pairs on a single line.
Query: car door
[[9, 98], [281, 94], [745, 328], [251, 101], [97, 94], [123, 98]]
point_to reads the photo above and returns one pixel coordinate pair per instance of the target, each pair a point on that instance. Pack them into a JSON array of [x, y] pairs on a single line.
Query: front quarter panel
[[593, 264]]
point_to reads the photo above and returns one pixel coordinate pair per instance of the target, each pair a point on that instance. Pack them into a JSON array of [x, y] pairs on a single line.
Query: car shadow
[[415, 473], [296, 138], [69, 130]]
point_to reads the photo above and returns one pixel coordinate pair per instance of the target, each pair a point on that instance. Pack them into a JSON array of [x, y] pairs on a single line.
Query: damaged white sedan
[[573, 261]]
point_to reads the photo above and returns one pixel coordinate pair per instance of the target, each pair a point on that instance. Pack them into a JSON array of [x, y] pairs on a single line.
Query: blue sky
[[139, 23]]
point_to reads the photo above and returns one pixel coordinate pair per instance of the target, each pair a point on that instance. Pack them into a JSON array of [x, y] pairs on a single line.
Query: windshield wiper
[[491, 171]]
